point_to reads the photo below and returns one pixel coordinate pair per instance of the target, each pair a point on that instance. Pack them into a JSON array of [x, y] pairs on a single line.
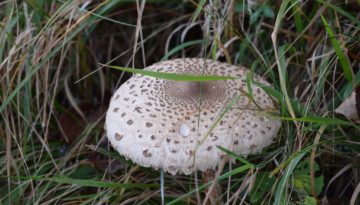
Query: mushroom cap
[[164, 124]]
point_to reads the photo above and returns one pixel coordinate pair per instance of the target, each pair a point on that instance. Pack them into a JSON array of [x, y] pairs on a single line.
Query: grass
[[54, 93]]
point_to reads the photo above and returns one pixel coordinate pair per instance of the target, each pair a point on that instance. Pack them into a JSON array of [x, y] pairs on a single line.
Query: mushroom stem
[[162, 187], [212, 193]]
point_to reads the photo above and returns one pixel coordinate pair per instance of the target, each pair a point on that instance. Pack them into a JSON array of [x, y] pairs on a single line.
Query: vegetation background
[[54, 94]]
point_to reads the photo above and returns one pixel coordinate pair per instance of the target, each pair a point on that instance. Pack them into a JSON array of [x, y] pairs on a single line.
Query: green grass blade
[[320, 120], [95, 183], [110, 19], [280, 195], [90, 182], [198, 9], [342, 58], [341, 11], [290, 159], [298, 20], [173, 76], [235, 156]]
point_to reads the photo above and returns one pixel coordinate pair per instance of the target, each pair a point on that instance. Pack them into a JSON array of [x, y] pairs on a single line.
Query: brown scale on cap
[[162, 127]]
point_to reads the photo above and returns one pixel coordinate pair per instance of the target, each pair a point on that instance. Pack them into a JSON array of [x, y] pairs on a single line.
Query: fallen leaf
[[350, 108]]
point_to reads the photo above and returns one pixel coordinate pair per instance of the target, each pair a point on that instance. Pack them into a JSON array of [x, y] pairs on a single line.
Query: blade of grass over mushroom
[[172, 76], [340, 54], [222, 114], [238, 170], [89, 182], [182, 46]]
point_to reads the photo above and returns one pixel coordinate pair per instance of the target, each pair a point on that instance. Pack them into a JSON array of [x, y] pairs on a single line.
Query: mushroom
[[166, 124]]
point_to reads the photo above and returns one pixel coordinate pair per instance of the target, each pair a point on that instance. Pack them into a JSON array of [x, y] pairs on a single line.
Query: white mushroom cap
[[162, 124]]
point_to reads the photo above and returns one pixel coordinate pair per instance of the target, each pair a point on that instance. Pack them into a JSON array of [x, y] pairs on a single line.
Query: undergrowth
[[55, 91]]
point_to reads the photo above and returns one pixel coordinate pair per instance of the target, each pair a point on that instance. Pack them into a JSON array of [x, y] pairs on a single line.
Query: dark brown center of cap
[[195, 90]]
